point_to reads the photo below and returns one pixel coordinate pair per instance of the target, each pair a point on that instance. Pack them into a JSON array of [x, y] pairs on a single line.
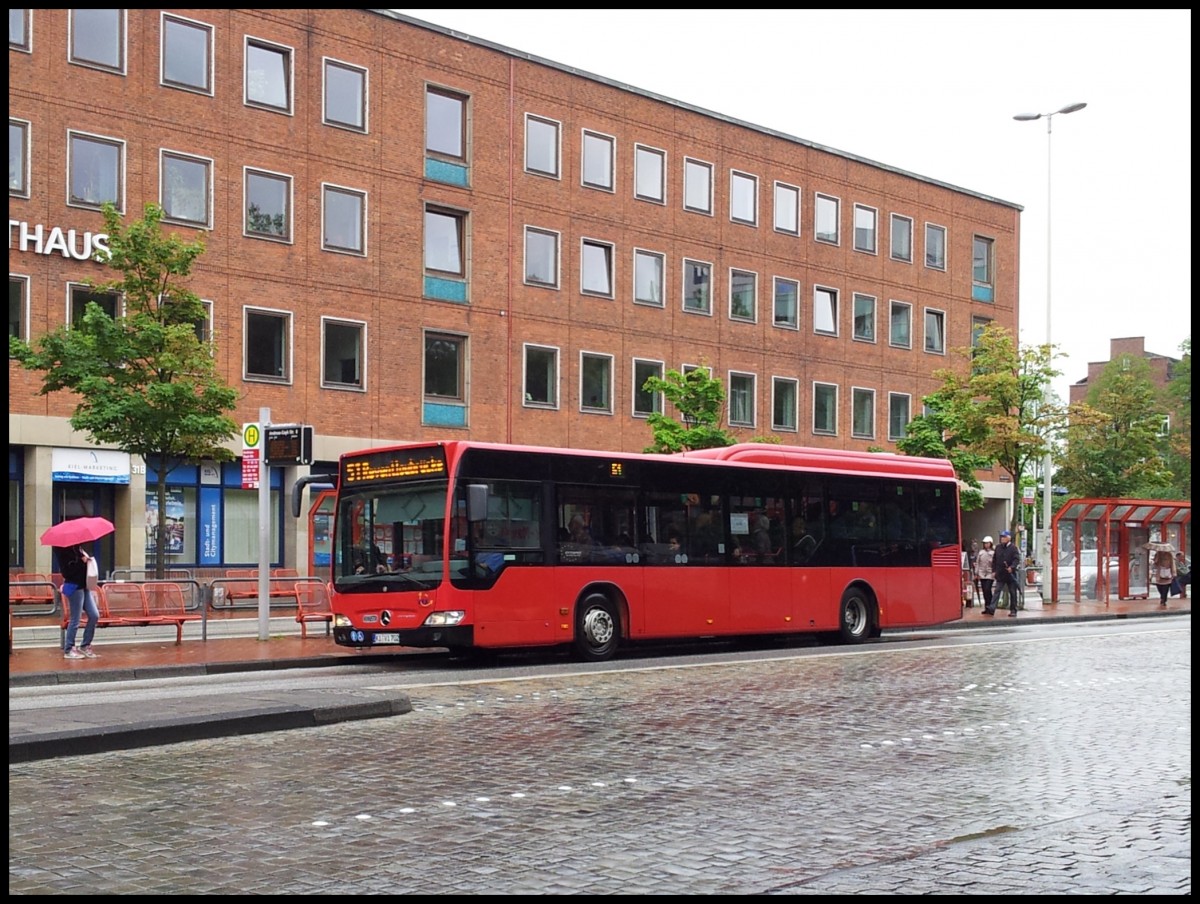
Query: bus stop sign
[[288, 444]]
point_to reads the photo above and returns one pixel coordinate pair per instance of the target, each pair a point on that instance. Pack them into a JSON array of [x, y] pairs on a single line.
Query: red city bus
[[473, 545]]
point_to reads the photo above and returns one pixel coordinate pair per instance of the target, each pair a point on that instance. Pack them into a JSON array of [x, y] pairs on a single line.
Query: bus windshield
[[391, 537]]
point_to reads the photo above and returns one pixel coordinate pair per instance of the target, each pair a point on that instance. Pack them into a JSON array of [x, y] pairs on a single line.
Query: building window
[[978, 325], [935, 247], [824, 409], [18, 306], [98, 38], [785, 394], [598, 160], [899, 414], [825, 311], [900, 329], [267, 345], [268, 76], [342, 344], [697, 287], [982, 269], [865, 219], [268, 205], [826, 211], [864, 318], [787, 303], [78, 298], [187, 53], [697, 186], [541, 376], [935, 332], [445, 362], [649, 174], [743, 295], [646, 402], [741, 399], [18, 158], [787, 208], [743, 198], [345, 96], [343, 219], [541, 146], [541, 257], [862, 413], [446, 124], [95, 167], [648, 277], [445, 238], [902, 238], [595, 383], [185, 189], [20, 32], [204, 327], [597, 268]]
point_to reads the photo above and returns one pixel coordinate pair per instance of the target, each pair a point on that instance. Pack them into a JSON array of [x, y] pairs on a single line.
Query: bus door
[[760, 582]]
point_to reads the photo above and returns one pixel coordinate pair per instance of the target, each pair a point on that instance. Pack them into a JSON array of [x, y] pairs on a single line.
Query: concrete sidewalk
[[42, 732]]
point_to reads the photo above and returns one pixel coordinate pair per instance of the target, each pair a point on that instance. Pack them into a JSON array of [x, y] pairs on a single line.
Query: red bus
[[469, 545]]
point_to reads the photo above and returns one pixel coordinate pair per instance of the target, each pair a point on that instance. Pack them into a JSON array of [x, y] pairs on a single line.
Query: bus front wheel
[[855, 621], [597, 628]]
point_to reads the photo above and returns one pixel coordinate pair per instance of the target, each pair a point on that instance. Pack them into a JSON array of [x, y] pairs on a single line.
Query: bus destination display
[[395, 464]]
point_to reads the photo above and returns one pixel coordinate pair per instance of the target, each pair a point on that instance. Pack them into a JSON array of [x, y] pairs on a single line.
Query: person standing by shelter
[[1163, 572], [79, 595], [985, 574], [1006, 565]]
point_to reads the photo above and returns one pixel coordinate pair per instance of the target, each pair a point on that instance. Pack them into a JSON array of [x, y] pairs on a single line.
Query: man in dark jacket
[[1007, 566]]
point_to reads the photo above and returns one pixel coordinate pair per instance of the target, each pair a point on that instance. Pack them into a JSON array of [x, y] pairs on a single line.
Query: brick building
[[1134, 346], [413, 234]]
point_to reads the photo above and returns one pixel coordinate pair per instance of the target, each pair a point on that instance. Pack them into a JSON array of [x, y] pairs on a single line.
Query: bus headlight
[[342, 621], [445, 619]]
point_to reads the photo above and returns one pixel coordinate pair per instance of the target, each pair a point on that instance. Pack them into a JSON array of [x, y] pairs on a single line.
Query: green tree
[[699, 399], [1179, 401], [145, 381], [1122, 452]]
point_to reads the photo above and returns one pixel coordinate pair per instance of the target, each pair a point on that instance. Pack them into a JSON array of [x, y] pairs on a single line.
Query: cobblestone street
[[1025, 766]]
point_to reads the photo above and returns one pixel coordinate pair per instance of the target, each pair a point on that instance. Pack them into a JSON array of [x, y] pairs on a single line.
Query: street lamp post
[[1047, 462]]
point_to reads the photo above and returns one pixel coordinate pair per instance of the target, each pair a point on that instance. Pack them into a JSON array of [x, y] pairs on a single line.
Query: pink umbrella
[[77, 530]]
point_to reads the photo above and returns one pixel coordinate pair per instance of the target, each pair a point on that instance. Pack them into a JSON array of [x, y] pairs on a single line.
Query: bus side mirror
[[477, 502]]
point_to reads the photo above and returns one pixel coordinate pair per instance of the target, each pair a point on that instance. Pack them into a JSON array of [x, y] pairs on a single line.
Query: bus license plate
[[390, 637]]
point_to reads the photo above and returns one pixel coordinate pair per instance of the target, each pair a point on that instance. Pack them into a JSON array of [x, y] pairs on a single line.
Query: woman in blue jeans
[[72, 563]]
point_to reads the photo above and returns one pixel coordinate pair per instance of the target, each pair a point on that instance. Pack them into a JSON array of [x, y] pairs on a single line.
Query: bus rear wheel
[[856, 619], [597, 628]]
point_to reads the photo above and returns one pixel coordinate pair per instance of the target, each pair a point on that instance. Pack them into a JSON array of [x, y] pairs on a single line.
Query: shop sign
[[89, 465], [40, 240]]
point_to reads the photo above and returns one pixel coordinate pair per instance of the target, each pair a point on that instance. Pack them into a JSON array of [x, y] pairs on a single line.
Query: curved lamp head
[[1071, 108], [1027, 117]]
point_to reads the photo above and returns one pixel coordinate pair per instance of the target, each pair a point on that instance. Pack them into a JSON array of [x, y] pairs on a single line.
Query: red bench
[[29, 588], [141, 605], [312, 605], [242, 583]]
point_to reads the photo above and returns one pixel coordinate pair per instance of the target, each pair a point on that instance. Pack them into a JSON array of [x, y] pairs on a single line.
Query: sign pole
[[264, 535]]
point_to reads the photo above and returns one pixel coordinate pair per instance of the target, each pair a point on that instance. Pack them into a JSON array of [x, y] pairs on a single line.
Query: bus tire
[[856, 616], [597, 628]]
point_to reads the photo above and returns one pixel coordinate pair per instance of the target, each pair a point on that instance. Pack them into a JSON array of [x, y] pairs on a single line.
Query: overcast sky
[[934, 93]]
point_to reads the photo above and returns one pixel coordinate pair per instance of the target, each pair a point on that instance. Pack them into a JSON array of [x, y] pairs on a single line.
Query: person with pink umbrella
[[73, 564]]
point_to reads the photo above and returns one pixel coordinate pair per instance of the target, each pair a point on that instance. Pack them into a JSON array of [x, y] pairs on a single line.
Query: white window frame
[[941, 315], [821, 201], [607, 406], [776, 424], [854, 299], [24, 313], [893, 399], [247, 172], [820, 385], [657, 401], [690, 163], [640, 255], [644, 150], [164, 54], [206, 333], [332, 62], [553, 403], [26, 127], [361, 325], [326, 245], [555, 264], [795, 192], [856, 393], [609, 250], [935, 228], [591, 139], [892, 238], [557, 127], [873, 213], [26, 45], [794, 323], [288, 344], [738, 178], [893, 304], [289, 54], [73, 287], [165, 154], [99, 139], [753, 398], [753, 318], [821, 295], [122, 42], [685, 280]]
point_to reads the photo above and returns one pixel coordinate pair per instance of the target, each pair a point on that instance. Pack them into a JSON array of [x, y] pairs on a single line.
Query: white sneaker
[[89, 653], [74, 653]]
